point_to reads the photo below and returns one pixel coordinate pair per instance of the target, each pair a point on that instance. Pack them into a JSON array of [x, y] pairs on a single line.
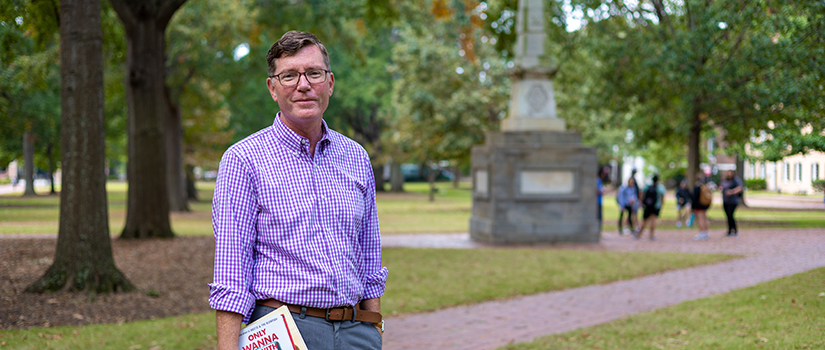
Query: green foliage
[[202, 38], [444, 97], [756, 184], [818, 185], [29, 77], [788, 140], [783, 314], [670, 72]]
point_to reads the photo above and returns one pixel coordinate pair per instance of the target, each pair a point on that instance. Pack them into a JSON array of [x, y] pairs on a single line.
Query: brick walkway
[[768, 254]]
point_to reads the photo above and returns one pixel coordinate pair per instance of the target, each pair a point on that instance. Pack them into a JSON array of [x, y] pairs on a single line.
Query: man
[[731, 193], [294, 216], [652, 200]]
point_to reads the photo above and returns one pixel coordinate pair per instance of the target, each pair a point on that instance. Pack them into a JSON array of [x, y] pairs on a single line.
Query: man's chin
[[307, 114]]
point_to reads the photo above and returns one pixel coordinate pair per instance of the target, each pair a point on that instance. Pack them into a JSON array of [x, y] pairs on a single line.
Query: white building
[[793, 174]]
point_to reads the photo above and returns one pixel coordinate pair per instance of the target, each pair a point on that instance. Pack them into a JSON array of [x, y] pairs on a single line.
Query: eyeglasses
[[290, 78]]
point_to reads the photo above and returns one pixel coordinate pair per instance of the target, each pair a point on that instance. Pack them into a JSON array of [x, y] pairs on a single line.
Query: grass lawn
[[398, 213], [420, 280], [788, 313], [412, 212], [430, 279], [408, 212]]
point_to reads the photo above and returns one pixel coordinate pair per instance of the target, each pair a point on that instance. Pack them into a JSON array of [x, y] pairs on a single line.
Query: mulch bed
[[171, 275]]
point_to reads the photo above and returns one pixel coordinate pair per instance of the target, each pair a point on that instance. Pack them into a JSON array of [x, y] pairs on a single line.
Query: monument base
[[534, 187]]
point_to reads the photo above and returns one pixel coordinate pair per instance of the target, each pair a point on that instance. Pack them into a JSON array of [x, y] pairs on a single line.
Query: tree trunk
[[50, 155], [83, 259], [28, 159], [174, 158], [396, 177], [148, 202], [694, 149], [456, 177], [378, 172], [191, 190]]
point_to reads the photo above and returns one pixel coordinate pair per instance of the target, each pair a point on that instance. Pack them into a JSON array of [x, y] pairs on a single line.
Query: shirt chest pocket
[[347, 204]]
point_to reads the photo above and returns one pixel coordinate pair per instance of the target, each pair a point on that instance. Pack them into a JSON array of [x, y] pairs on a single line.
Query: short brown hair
[[289, 44]]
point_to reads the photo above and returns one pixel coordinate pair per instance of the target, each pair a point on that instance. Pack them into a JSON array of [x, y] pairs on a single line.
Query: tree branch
[[167, 9], [56, 9], [125, 14]]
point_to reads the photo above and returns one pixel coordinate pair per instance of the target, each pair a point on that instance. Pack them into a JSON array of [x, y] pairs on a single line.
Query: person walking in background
[[652, 200], [627, 197], [600, 193], [634, 214], [701, 200], [683, 199], [731, 192]]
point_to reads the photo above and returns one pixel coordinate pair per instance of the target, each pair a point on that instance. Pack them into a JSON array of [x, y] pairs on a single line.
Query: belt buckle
[[343, 312]]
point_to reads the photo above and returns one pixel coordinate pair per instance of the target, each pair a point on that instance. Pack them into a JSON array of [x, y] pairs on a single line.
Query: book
[[275, 331]]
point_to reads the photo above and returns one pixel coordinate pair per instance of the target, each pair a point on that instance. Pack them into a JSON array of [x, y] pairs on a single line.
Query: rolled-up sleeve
[[375, 276], [234, 209]]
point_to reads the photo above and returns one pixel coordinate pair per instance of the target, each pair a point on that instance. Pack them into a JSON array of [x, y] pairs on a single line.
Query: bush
[[756, 184], [819, 185]]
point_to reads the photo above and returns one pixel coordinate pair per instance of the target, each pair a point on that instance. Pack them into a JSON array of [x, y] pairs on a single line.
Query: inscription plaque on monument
[[546, 182]]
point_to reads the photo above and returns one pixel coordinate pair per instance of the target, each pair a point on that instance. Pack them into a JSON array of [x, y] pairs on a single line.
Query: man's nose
[[303, 83]]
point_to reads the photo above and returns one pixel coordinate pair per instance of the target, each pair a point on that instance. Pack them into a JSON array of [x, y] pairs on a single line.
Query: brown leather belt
[[341, 313]]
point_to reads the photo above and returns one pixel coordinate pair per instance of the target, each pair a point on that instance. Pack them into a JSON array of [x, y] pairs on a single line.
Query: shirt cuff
[[375, 284], [224, 298]]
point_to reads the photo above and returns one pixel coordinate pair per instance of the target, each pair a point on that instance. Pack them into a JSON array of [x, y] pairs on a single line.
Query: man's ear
[[331, 83], [270, 85]]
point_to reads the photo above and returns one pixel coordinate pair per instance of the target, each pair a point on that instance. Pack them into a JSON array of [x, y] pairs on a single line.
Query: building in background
[[793, 174]]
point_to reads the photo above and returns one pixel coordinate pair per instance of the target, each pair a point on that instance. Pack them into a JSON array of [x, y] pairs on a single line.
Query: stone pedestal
[[534, 187]]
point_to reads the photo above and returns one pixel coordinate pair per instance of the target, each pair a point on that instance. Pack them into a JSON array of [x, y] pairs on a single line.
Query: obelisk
[[532, 102], [533, 182]]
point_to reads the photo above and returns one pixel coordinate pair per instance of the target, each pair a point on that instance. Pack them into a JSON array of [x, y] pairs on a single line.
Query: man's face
[[303, 103]]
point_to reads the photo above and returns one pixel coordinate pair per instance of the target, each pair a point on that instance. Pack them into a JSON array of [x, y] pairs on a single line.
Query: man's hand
[[373, 305], [228, 325]]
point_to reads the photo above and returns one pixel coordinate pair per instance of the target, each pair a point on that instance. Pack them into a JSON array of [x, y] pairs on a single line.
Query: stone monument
[[533, 182]]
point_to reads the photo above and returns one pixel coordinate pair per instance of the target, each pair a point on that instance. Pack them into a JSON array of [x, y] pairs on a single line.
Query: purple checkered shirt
[[300, 230]]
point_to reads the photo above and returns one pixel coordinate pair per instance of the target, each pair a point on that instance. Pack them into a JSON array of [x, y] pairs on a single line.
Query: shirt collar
[[297, 143]]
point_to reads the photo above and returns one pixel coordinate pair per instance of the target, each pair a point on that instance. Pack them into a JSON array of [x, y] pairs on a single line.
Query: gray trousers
[[320, 334]]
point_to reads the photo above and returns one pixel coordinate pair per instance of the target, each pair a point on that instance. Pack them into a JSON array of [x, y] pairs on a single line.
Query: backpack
[[705, 197], [651, 195]]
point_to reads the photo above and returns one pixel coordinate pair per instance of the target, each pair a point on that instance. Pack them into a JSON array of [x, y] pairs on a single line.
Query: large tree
[[147, 110], [83, 259], [673, 70]]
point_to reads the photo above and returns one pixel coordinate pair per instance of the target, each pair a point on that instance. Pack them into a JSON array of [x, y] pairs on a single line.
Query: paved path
[[40, 186], [768, 254]]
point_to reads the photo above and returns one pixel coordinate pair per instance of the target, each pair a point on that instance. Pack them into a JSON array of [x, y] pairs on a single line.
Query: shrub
[[819, 185], [756, 184]]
